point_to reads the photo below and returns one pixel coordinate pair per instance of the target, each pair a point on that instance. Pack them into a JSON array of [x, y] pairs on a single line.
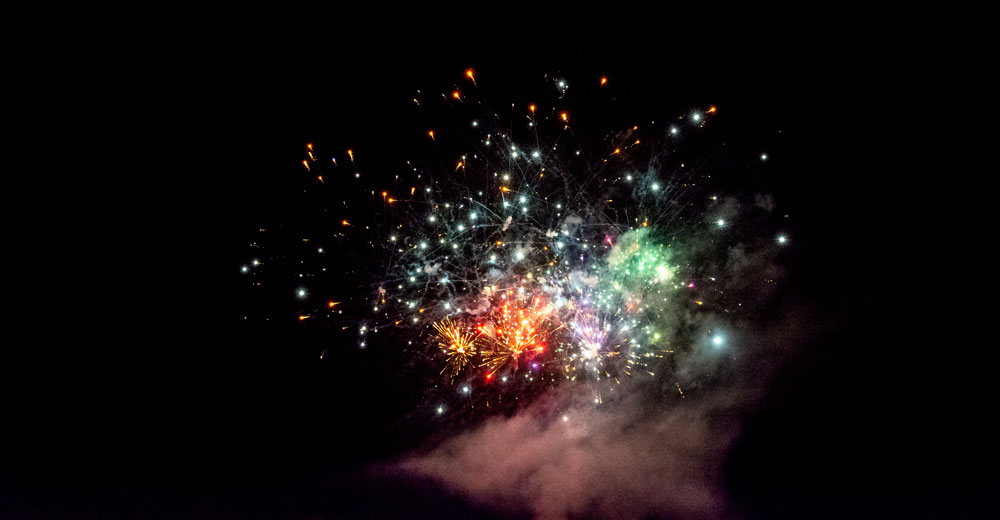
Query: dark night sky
[[142, 391]]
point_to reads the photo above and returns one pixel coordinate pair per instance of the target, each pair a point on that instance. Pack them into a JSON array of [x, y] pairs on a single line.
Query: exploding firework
[[516, 332], [512, 247], [458, 345]]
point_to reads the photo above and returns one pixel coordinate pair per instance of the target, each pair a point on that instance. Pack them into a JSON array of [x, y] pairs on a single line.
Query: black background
[[140, 390]]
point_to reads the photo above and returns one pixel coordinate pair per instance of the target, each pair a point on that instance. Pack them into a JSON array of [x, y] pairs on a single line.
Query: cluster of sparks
[[528, 260], [457, 344]]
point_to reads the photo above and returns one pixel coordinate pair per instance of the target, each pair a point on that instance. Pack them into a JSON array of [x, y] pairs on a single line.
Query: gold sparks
[[458, 345]]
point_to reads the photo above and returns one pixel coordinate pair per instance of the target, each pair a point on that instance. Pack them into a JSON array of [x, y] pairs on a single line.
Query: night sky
[[155, 381]]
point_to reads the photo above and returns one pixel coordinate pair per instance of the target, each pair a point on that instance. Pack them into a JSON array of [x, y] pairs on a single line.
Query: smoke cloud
[[620, 459]]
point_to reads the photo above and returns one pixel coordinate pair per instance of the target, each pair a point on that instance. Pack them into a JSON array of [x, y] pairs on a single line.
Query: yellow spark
[[456, 95], [604, 81], [431, 133], [350, 153], [564, 116], [306, 164]]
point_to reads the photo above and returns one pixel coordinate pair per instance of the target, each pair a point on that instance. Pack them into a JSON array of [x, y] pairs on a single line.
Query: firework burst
[[458, 345], [516, 332], [524, 241]]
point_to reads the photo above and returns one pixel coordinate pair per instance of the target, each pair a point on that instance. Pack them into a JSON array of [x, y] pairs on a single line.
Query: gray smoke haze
[[622, 459]]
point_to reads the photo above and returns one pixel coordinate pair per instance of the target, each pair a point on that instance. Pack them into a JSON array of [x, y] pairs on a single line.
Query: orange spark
[[564, 116], [431, 133], [333, 304], [604, 81], [531, 108], [711, 110], [350, 154], [345, 222], [320, 179], [306, 164], [456, 95]]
